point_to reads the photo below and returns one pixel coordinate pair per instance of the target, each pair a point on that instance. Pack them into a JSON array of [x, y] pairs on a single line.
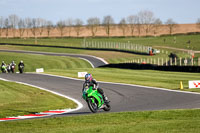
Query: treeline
[[144, 22]]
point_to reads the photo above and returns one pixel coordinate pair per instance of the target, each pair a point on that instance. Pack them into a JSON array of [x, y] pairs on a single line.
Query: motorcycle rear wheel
[[107, 107]]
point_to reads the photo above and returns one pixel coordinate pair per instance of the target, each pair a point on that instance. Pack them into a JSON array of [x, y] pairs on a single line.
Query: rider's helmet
[[88, 77], [13, 62], [2, 62], [21, 61]]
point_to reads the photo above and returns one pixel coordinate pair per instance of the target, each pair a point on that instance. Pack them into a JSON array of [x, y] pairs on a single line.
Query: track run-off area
[[123, 97]]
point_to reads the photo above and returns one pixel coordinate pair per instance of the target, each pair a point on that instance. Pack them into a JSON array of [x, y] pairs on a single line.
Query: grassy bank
[[43, 61], [178, 41], [17, 99], [174, 121]]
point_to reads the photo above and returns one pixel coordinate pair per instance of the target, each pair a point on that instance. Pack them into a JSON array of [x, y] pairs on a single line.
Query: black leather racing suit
[[95, 85]]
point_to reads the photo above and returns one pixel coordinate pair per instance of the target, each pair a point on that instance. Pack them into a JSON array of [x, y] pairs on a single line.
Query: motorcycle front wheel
[[92, 106]]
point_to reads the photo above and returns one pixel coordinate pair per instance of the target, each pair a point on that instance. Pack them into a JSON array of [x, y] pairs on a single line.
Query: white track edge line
[[87, 61]]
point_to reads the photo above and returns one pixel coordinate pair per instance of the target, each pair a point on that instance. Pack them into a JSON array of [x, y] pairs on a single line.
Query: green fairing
[[94, 95]]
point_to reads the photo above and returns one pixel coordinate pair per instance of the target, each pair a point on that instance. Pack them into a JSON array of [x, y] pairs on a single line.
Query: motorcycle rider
[[8, 68], [89, 81], [21, 64], [13, 66], [3, 64]]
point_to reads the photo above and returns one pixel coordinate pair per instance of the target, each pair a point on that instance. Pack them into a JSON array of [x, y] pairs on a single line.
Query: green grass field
[[173, 121], [181, 41], [17, 99]]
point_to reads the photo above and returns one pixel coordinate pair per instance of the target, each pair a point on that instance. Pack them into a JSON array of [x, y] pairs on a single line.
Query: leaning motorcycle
[[21, 68], [12, 68], [95, 100], [3, 69]]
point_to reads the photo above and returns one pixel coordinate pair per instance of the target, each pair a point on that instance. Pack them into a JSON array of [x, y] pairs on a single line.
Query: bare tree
[[28, 25], [21, 26], [6, 27], [138, 25], [123, 25], [34, 26], [132, 21], [13, 21], [1, 25], [198, 22], [93, 24], [49, 27], [171, 25], [108, 22], [41, 23], [157, 25], [61, 27], [77, 26], [69, 23], [147, 20]]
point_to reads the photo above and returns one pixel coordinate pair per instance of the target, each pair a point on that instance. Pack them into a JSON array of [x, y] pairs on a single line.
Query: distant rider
[[8, 68], [13, 66], [3, 64], [21, 66], [89, 81]]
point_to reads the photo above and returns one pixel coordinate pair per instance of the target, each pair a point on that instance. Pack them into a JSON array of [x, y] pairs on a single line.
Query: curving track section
[[123, 97]]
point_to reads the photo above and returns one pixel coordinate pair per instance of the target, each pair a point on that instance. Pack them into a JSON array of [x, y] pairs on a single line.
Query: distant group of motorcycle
[[10, 68]]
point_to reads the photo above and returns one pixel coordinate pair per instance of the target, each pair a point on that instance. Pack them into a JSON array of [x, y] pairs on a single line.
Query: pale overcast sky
[[181, 11]]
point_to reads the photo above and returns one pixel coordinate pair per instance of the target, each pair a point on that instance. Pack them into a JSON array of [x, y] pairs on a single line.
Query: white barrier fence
[[167, 61], [117, 45]]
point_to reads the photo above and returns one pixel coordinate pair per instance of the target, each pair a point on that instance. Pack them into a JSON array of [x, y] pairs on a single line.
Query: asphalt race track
[[122, 97]]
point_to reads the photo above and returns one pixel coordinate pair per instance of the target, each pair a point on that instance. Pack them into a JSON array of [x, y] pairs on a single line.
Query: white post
[[192, 62], [170, 61], [198, 61], [185, 61], [180, 61], [175, 62]]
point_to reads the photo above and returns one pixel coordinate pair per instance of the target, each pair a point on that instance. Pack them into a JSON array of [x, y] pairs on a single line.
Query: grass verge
[[17, 99], [173, 121]]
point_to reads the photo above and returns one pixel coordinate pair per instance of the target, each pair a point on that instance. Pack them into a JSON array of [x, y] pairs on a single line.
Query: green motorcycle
[[3, 69], [95, 100]]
